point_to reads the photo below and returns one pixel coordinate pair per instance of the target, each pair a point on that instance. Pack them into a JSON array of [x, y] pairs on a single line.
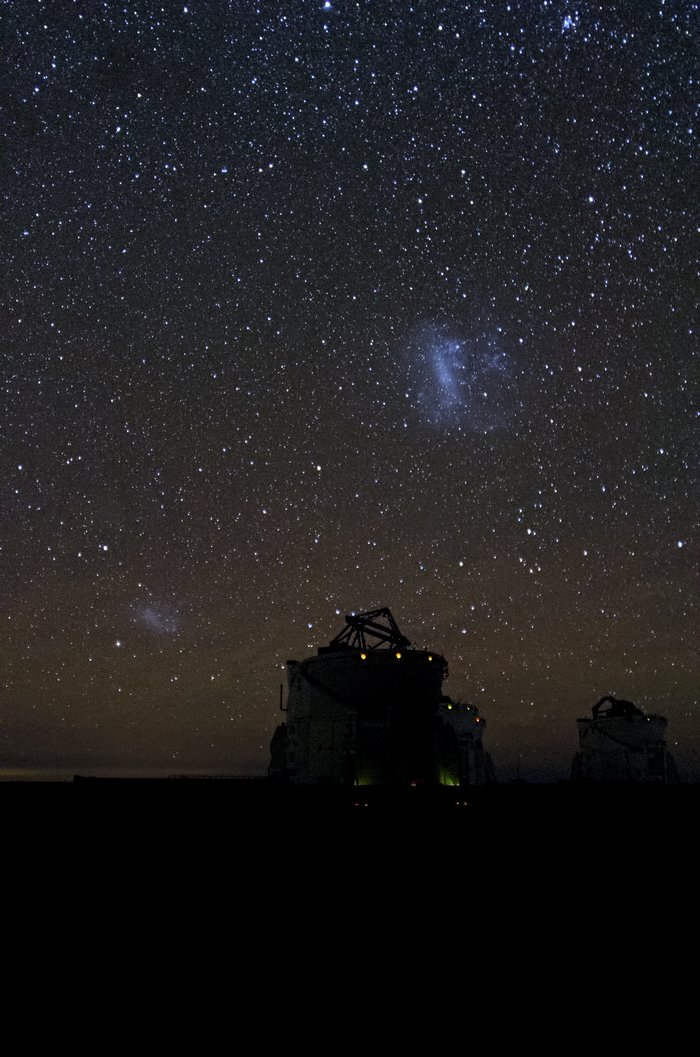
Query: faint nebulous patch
[[460, 382], [159, 621]]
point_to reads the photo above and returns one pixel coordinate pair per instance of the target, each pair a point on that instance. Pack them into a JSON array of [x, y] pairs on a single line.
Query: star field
[[316, 307]]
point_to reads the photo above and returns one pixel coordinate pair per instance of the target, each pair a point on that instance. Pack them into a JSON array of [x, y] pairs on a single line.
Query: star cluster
[[315, 307]]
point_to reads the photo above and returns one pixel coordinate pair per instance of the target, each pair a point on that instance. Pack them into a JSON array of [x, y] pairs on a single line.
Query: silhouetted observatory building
[[369, 710], [620, 743]]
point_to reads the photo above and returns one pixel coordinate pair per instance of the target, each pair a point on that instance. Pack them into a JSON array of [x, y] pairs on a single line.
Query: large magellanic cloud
[[460, 382]]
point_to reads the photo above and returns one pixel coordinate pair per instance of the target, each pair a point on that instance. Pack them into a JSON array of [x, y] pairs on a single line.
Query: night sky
[[317, 307]]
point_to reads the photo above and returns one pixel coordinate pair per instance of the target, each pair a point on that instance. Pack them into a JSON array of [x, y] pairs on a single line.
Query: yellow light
[[398, 656], [363, 656], [430, 657]]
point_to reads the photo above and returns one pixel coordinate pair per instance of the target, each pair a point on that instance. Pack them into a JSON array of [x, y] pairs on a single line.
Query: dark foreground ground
[[241, 798], [561, 842]]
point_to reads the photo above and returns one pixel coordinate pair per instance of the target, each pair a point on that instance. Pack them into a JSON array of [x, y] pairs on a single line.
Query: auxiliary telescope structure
[[368, 709], [620, 743]]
